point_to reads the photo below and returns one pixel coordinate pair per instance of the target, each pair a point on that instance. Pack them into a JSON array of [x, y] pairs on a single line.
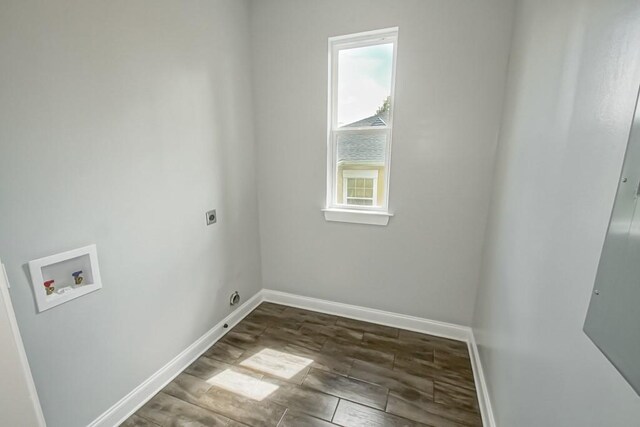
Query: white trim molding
[[130, 403], [8, 314], [356, 216], [486, 410], [145, 391], [402, 321], [386, 36]]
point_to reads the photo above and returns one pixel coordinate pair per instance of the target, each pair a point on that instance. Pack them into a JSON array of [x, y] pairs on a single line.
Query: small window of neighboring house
[[360, 187], [361, 89]]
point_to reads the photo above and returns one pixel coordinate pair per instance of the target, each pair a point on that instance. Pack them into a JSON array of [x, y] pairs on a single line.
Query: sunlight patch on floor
[[276, 363], [244, 385]]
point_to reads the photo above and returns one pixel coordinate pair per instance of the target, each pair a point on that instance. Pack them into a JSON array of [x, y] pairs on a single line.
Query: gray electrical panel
[[613, 318]]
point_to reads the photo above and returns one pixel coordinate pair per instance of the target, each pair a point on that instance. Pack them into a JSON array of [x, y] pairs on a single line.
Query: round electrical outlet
[[235, 298]]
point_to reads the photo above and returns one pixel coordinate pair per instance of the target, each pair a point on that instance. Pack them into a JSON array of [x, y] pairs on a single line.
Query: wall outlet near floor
[[235, 298], [212, 218]]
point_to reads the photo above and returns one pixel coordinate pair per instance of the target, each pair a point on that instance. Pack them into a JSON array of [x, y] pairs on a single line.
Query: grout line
[[386, 401], [335, 409], [366, 405], [306, 375], [282, 417]]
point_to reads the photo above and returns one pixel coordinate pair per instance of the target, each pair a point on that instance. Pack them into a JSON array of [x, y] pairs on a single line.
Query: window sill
[[356, 216]]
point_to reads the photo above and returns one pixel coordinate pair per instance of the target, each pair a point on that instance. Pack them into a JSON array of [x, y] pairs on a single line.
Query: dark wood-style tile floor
[[287, 367]]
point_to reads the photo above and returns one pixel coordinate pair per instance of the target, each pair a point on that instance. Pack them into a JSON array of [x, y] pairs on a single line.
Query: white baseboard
[[145, 391], [401, 321], [126, 406], [486, 409]]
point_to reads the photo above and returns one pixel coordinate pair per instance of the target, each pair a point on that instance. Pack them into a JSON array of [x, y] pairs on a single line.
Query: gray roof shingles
[[362, 147]]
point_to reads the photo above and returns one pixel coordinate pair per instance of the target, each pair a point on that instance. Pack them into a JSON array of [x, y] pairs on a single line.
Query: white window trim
[[369, 174], [378, 215]]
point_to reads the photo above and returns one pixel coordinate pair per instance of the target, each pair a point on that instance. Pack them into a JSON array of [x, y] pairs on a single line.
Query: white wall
[[573, 80], [451, 69], [121, 123]]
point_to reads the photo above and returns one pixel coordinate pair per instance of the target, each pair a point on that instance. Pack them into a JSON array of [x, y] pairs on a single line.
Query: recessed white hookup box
[[62, 277]]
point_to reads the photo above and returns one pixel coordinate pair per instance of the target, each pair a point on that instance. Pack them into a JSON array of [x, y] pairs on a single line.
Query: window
[[360, 187], [361, 86]]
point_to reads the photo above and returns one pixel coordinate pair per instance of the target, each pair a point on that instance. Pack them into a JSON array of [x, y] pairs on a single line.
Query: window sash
[[332, 192]]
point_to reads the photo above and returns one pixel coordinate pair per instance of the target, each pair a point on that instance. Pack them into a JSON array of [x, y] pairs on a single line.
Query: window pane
[[357, 194], [364, 85], [362, 148], [363, 155]]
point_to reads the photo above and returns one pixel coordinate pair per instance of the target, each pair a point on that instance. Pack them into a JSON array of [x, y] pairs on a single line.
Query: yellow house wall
[[340, 180]]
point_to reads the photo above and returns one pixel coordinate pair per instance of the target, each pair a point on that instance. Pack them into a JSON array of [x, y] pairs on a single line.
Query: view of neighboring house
[[361, 162]]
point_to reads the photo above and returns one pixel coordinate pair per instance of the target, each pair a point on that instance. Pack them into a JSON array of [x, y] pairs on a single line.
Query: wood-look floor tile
[[389, 378], [303, 399], [278, 364], [241, 340], [416, 348], [297, 419], [206, 368], [309, 316], [347, 388], [187, 387], [242, 409], [169, 411], [249, 327], [432, 371], [453, 361], [330, 331], [360, 374], [356, 351], [420, 408], [281, 336], [198, 392], [351, 414], [458, 347], [453, 395], [331, 362], [271, 307], [417, 355], [273, 320], [138, 421], [224, 352], [367, 327]]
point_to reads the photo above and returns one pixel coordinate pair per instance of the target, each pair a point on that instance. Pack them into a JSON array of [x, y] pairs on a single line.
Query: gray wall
[[451, 69], [573, 81], [121, 123]]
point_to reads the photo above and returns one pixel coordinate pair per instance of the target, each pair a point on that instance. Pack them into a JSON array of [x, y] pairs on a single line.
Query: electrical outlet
[[211, 217], [235, 298]]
